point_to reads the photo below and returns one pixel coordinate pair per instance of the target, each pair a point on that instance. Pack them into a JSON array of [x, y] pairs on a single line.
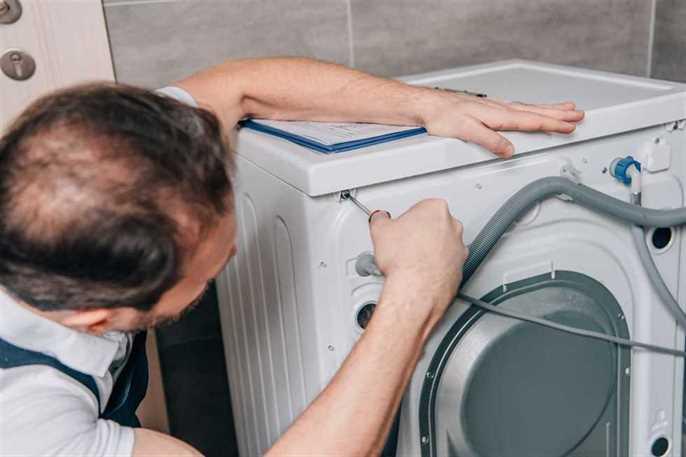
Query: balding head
[[104, 191]]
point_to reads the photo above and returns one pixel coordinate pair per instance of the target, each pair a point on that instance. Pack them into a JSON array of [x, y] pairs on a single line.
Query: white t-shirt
[[46, 412], [179, 94]]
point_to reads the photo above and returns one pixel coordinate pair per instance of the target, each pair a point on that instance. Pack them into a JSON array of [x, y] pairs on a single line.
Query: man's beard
[[148, 321]]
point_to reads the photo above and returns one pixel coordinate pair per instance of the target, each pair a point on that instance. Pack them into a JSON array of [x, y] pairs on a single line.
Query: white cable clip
[[568, 171]]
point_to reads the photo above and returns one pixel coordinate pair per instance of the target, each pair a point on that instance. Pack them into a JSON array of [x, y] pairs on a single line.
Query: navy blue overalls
[[128, 390]]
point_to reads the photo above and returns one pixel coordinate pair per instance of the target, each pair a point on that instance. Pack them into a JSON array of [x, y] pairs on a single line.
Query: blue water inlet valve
[[619, 168]]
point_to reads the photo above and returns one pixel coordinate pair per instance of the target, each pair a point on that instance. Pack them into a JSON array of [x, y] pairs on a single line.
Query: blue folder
[[331, 148]]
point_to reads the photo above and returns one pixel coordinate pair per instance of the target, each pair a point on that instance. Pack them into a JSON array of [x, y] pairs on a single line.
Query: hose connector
[[620, 167], [365, 265], [627, 170]]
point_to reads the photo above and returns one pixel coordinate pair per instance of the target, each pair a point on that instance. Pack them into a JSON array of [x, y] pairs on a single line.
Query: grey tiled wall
[[669, 51], [157, 41], [395, 37]]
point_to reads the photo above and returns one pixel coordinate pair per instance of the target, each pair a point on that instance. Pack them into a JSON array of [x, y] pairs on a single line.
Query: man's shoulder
[[41, 403], [40, 382], [179, 94], [47, 411]]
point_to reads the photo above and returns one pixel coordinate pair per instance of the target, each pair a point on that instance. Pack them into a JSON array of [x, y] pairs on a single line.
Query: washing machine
[[293, 304]]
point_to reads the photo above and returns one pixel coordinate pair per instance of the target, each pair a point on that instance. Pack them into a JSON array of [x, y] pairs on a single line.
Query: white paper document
[[331, 133]]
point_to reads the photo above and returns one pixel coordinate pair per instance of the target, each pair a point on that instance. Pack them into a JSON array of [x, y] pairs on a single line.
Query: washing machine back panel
[[290, 301], [613, 104], [555, 235]]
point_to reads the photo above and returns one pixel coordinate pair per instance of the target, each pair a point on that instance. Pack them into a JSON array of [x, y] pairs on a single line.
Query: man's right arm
[[421, 255]]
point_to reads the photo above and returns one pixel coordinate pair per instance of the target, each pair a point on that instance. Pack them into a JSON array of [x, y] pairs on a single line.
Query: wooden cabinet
[[68, 41]]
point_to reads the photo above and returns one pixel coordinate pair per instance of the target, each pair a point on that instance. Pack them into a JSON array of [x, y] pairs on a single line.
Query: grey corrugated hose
[[582, 195], [638, 234]]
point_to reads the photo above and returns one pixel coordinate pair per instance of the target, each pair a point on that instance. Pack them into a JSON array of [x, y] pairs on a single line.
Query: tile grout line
[[651, 38], [113, 3], [351, 46]]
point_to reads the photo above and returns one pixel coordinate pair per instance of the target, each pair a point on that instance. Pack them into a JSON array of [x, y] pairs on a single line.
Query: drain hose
[[661, 288], [594, 200], [582, 195], [544, 188]]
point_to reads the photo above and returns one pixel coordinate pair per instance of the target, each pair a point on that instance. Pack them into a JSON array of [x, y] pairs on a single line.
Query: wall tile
[[395, 37], [154, 43], [669, 49]]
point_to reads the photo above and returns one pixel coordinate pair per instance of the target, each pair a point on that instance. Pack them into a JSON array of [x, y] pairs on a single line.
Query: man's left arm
[[305, 89]]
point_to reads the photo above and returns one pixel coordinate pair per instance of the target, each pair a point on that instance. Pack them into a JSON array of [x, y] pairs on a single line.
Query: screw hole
[[662, 237], [660, 447]]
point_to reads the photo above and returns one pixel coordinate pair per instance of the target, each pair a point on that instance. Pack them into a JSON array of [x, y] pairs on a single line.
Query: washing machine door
[[499, 387]]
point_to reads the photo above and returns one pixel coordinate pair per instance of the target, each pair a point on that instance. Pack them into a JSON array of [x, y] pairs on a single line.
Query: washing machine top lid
[[613, 104]]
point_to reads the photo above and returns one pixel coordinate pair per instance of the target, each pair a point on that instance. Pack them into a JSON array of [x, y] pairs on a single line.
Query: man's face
[[208, 260]]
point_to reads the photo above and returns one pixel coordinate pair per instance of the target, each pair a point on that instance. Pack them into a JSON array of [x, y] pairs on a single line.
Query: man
[[116, 210]]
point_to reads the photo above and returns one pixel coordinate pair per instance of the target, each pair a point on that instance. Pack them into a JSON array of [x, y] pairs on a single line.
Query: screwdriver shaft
[[359, 205]]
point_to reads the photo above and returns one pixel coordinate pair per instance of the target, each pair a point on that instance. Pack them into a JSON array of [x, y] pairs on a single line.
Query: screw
[[15, 57], [330, 347], [479, 186], [605, 170], [621, 316], [429, 375], [322, 264], [425, 439]]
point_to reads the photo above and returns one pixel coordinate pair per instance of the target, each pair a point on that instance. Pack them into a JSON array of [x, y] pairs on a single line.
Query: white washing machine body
[[290, 301]]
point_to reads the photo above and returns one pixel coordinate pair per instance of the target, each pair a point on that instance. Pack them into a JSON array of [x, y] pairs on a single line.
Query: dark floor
[[195, 383]]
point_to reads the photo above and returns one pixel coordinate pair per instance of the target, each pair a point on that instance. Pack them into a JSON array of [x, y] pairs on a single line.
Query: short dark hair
[[96, 182]]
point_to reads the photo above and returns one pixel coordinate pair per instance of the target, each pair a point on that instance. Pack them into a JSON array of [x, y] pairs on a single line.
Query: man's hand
[[476, 119], [422, 251]]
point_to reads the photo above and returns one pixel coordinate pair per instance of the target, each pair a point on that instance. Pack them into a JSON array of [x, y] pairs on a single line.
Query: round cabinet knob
[[10, 11], [17, 64]]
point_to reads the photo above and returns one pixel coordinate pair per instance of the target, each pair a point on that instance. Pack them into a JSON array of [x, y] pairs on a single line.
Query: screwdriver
[[347, 195]]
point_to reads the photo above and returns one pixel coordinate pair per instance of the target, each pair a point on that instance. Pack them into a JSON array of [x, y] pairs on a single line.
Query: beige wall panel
[[68, 40]]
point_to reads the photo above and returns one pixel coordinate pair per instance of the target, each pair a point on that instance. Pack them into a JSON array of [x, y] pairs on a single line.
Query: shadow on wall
[[195, 381]]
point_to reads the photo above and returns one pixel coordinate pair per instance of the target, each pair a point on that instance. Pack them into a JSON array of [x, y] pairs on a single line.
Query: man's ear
[[96, 321]]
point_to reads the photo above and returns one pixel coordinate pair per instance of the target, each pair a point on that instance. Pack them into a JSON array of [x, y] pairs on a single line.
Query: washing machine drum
[[499, 387]]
